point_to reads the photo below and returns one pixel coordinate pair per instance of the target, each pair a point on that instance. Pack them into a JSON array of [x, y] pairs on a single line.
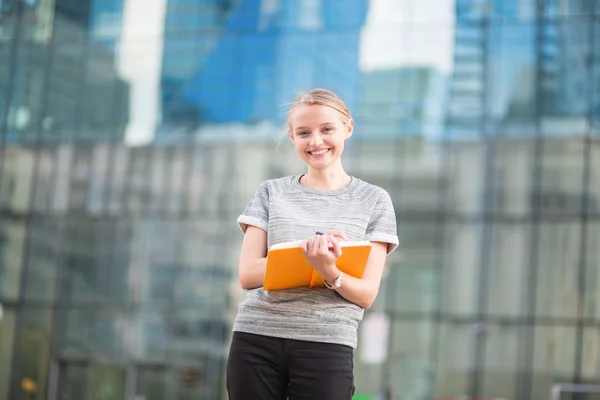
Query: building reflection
[[118, 262]]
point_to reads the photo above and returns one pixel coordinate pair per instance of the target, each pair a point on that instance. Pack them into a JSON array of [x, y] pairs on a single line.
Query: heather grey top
[[287, 211]]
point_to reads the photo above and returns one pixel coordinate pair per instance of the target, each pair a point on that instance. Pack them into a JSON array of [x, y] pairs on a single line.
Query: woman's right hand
[[338, 234]]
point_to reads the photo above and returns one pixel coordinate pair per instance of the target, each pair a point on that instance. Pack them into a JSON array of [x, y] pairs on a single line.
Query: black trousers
[[268, 368]]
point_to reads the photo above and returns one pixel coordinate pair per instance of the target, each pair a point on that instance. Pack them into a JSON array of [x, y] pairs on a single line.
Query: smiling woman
[[298, 343]]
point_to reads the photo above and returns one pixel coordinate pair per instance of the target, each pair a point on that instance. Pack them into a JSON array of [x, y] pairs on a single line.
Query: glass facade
[[133, 133]]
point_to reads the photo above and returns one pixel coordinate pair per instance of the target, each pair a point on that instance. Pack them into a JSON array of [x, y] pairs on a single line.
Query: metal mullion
[[82, 90], [188, 174], [167, 181], [585, 210], [524, 379], [14, 389]]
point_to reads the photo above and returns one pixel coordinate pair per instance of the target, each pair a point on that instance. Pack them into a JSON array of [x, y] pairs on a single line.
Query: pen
[[318, 233]]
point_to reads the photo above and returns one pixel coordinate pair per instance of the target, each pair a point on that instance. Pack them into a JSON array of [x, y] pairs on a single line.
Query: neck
[[330, 179]]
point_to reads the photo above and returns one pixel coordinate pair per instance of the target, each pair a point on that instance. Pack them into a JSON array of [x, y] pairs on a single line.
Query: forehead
[[309, 115]]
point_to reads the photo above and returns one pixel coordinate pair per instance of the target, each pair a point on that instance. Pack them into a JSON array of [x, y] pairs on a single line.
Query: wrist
[[332, 272]]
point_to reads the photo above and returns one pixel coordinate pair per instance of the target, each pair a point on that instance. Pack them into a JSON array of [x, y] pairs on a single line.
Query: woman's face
[[319, 134]]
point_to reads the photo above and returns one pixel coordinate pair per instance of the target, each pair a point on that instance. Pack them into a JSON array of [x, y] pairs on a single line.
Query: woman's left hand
[[322, 256]]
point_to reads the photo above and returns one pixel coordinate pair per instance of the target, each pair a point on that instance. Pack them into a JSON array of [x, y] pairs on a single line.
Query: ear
[[290, 134], [350, 127]]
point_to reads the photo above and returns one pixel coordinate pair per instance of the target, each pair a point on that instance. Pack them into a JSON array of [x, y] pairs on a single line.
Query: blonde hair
[[319, 97]]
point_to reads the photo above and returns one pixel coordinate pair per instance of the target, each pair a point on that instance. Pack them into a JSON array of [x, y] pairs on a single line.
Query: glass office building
[[133, 133]]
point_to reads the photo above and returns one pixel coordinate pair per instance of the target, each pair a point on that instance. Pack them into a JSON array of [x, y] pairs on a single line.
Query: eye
[[302, 133], [328, 129]]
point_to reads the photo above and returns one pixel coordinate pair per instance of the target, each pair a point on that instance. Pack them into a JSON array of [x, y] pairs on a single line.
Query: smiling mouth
[[319, 153]]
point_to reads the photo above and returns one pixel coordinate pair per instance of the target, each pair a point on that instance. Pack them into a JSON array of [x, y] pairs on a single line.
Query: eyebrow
[[303, 127]]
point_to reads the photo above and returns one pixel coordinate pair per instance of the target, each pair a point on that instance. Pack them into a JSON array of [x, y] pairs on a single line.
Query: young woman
[[299, 343]]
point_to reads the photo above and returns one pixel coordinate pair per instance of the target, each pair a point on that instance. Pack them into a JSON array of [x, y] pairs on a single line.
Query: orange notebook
[[288, 268]]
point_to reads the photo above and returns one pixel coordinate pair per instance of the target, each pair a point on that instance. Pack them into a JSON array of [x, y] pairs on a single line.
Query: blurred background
[[134, 132]]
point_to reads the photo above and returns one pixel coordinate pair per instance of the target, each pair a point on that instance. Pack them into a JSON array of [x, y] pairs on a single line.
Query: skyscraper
[[265, 53]]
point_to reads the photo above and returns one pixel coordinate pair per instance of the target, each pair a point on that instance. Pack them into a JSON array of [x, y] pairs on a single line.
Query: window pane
[[456, 358], [502, 361], [152, 383], [511, 81], [511, 182], [590, 363], [45, 179], [33, 349], [12, 245], [592, 273], [561, 189], [594, 177], [179, 166], [557, 269], [44, 261], [149, 335], [64, 91], [71, 332], [508, 283], [410, 361], [108, 334], [466, 177], [196, 334], [17, 172], [7, 335], [74, 381], [108, 383], [118, 251], [554, 358], [462, 266], [156, 248], [420, 173], [412, 277]]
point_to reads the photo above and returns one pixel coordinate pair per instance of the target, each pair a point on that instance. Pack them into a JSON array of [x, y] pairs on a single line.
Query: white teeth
[[318, 153]]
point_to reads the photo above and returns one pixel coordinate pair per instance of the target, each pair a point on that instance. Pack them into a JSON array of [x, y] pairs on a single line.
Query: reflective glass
[[409, 359], [44, 260], [33, 350], [107, 334], [455, 359], [461, 273], [108, 383], [510, 178], [593, 185], [465, 169], [557, 270], [7, 336], [74, 381], [508, 280], [12, 245], [149, 335], [511, 78], [590, 361], [592, 271], [554, 357], [503, 356], [134, 133], [412, 280], [71, 333], [152, 383]]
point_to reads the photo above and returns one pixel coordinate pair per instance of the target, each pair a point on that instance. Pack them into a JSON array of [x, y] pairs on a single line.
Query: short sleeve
[[256, 212], [382, 226]]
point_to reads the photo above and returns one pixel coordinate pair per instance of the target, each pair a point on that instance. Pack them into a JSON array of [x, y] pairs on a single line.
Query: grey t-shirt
[[287, 211]]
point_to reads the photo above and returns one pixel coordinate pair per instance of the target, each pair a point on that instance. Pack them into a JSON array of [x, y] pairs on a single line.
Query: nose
[[315, 139]]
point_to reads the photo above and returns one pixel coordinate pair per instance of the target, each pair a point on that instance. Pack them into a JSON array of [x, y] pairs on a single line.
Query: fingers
[[338, 233], [337, 248], [313, 245], [323, 245]]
